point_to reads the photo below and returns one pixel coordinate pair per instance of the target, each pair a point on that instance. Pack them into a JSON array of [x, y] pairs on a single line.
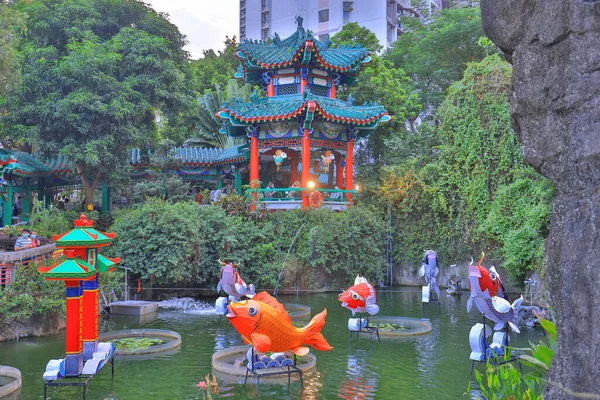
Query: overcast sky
[[204, 22]]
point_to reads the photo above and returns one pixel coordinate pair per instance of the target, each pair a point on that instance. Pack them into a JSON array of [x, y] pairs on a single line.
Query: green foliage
[[215, 68], [92, 74], [504, 381], [162, 186], [435, 52], [180, 244], [31, 295], [352, 33], [12, 27], [133, 344], [48, 222]]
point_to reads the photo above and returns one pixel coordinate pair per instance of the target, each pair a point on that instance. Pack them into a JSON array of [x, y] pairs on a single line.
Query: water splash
[[188, 305]]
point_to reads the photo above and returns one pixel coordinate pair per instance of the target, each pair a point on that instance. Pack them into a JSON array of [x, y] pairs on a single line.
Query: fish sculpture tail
[[313, 332]]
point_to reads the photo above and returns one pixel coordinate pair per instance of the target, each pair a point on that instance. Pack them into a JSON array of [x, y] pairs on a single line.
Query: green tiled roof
[[260, 55], [22, 164], [198, 156], [106, 264], [81, 236], [71, 268], [286, 107]]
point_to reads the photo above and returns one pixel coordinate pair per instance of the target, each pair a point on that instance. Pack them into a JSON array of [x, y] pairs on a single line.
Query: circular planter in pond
[[297, 311], [10, 380], [400, 326], [225, 361], [170, 340]]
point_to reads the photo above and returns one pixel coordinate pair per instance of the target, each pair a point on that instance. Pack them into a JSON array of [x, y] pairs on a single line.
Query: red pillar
[[294, 168], [254, 161], [90, 318], [339, 172], [305, 166], [349, 170], [332, 91], [74, 328]]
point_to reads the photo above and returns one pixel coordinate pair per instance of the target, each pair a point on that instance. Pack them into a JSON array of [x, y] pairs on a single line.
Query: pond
[[434, 365]]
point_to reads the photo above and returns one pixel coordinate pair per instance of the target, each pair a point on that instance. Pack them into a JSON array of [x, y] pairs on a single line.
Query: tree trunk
[[88, 187]]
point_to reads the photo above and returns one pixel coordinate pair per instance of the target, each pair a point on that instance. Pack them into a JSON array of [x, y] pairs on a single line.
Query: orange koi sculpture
[[264, 323], [360, 298]]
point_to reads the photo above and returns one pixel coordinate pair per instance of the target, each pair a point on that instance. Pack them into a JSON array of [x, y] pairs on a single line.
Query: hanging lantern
[[328, 157], [279, 157]]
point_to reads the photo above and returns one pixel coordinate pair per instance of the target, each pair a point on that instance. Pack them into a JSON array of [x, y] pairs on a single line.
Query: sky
[[204, 22]]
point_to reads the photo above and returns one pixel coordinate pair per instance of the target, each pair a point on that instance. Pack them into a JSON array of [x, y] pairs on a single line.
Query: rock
[[554, 46], [454, 285]]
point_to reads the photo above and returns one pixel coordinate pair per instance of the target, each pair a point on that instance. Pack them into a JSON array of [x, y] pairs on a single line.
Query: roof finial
[[299, 20]]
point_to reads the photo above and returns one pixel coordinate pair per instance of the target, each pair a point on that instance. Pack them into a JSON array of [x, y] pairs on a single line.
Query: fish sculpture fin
[[470, 304], [372, 309], [313, 332], [499, 326], [245, 339], [250, 291], [517, 303], [261, 342], [219, 287], [266, 298], [240, 289], [300, 350], [514, 327], [422, 270]]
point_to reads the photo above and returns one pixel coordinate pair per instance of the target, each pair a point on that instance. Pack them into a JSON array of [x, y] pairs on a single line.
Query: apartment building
[[260, 19]]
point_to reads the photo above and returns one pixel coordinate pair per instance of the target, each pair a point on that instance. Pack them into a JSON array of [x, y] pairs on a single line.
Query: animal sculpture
[[264, 323], [430, 271], [232, 283], [361, 297], [487, 293]]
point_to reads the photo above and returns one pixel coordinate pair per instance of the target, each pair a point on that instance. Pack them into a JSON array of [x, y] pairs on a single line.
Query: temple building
[[299, 131]]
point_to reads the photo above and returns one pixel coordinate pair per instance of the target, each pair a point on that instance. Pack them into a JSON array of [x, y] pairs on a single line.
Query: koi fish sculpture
[[487, 293], [264, 323], [232, 283], [360, 298], [430, 271]]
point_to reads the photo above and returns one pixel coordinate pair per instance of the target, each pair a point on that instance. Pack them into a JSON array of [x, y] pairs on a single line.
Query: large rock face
[[554, 46]]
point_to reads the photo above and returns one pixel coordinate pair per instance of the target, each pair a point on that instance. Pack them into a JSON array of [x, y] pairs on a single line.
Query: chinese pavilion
[[300, 127], [80, 272]]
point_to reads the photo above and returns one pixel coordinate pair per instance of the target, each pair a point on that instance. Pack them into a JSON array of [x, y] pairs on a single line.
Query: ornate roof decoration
[[300, 48], [106, 264], [71, 268], [84, 235], [197, 156], [286, 107], [22, 164]]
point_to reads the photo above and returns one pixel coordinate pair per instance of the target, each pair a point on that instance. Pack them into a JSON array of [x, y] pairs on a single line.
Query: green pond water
[[432, 366]]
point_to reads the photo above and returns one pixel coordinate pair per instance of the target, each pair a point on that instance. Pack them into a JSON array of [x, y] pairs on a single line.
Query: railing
[[9, 259], [288, 191]]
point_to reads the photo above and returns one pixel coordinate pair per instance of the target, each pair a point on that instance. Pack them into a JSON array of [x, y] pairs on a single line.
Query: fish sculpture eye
[[252, 311], [493, 276], [354, 296]]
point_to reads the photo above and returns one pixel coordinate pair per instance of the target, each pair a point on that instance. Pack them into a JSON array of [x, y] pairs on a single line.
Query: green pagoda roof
[[84, 235], [198, 156], [290, 106], [106, 264], [299, 48], [71, 268], [22, 164]]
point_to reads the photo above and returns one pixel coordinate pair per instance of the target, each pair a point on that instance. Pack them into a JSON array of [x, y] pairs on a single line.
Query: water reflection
[[361, 381]]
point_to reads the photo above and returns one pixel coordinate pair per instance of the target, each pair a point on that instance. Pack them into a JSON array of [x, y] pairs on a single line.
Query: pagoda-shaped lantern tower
[[300, 124], [80, 272]]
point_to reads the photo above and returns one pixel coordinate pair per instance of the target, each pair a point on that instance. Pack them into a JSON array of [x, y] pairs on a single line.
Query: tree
[[215, 68], [352, 33], [208, 107], [434, 53], [93, 74], [12, 26]]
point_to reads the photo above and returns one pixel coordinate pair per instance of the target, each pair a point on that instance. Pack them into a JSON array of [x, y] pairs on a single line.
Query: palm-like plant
[[209, 105]]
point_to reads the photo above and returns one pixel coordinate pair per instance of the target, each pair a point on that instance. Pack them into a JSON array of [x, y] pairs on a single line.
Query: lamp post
[[126, 285]]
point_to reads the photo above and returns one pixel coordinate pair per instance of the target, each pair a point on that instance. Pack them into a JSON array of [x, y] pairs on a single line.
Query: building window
[[287, 89], [319, 90], [324, 15], [265, 19], [243, 21], [242, 3], [264, 34], [265, 4], [347, 11]]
